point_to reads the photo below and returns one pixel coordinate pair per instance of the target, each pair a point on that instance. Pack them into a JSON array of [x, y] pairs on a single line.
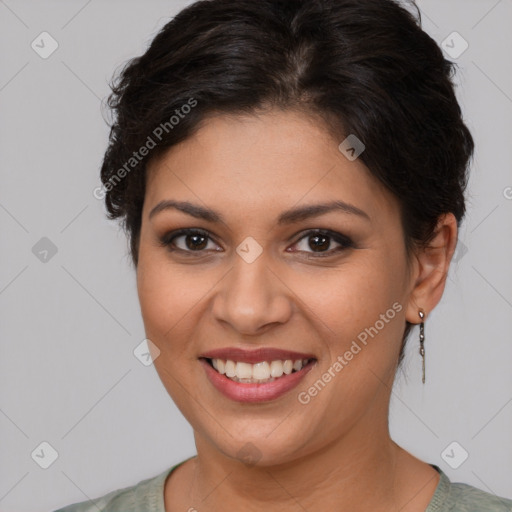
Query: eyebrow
[[291, 216]]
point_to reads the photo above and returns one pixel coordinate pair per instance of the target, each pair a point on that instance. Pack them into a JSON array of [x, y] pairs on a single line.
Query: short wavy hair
[[364, 67]]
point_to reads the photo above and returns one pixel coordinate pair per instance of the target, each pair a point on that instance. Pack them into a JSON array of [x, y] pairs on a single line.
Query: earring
[[421, 313]]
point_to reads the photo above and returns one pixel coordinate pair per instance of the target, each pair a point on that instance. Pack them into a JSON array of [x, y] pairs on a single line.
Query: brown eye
[[194, 241], [186, 240], [316, 242], [320, 241]]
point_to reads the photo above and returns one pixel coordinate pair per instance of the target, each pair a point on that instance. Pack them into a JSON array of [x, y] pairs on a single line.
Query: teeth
[[288, 366], [230, 369], [243, 370], [259, 371], [276, 369], [263, 371]]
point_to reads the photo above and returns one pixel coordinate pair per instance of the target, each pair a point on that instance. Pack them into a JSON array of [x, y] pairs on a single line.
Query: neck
[[339, 474]]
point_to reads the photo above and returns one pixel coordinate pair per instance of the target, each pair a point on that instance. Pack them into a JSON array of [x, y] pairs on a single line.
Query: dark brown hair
[[364, 66]]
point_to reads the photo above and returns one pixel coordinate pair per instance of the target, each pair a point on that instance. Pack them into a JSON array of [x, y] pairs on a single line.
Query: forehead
[[261, 165]]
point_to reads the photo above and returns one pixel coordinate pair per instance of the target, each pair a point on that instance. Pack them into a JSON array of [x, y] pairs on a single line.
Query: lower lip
[[255, 392]]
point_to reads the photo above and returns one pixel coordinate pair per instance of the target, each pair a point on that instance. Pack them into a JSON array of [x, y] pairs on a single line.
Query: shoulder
[[466, 498], [146, 495], [460, 497]]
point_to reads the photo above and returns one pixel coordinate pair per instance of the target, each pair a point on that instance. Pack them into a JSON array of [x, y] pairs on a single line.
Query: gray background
[[69, 325]]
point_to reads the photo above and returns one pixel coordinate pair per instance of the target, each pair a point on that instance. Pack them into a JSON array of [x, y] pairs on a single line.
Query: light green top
[[148, 496]]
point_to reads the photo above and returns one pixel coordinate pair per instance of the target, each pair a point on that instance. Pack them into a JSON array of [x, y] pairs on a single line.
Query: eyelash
[[345, 242]]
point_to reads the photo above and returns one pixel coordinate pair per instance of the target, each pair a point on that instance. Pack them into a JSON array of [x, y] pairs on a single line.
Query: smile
[[254, 383], [264, 371]]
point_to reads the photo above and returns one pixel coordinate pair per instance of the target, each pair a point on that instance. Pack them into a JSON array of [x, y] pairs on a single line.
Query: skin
[[335, 448]]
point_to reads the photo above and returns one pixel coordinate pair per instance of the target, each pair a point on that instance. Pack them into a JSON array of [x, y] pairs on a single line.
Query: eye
[[321, 239], [194, 240]]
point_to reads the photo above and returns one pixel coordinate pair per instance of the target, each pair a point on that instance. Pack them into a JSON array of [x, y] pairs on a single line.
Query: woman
[[291, 176]]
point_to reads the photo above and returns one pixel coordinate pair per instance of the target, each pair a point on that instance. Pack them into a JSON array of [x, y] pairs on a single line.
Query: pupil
[[195, 245], [321, 245], [320, 242]]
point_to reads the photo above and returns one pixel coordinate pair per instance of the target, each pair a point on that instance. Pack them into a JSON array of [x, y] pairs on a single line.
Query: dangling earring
[[421, 313]]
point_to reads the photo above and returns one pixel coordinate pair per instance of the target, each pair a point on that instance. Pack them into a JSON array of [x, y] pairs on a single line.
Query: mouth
[[258, 373], [262, 381]]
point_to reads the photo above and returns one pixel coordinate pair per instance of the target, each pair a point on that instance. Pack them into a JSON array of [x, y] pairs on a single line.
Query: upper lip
[[255, 356]]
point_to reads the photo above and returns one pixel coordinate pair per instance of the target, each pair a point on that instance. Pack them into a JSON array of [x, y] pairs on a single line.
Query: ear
[[431, 266]]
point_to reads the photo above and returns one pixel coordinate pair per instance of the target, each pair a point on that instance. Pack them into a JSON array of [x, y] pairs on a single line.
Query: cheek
[[168, 300], [358, 313], [174, 300], [162, 296], [167, 297], [361, 303]]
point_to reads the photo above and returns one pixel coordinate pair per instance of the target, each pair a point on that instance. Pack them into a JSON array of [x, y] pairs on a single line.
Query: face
[[252, 277]]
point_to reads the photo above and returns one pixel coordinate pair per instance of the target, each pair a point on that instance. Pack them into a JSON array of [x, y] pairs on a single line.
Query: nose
[[251, 297]]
